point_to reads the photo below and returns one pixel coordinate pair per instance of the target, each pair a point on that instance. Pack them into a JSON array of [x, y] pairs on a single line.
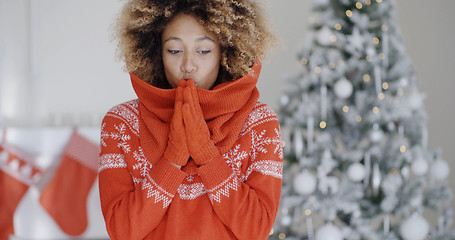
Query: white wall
[[66, 59], [14, 59], [62, 50]]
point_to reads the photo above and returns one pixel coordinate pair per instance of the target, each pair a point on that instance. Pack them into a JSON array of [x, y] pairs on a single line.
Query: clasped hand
[[189, 135]]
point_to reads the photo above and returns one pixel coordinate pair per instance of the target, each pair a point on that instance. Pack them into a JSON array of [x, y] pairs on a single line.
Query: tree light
[[376, 40], [402, 148], [385, 85], [338, 26], [308, 212], [375, 109], [322, 124], [358, 5]]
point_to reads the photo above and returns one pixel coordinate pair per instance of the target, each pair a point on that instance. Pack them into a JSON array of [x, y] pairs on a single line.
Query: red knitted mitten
[[177, 149], [201, 147]]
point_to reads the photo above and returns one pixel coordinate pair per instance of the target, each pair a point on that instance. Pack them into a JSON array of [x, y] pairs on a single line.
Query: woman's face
[[190, 51]]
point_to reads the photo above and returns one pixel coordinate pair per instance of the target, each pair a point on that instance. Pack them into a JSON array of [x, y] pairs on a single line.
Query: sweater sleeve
[[248, 204], [132, 207]]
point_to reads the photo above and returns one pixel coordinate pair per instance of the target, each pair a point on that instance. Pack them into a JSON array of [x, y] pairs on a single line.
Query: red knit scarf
[[225, 107]]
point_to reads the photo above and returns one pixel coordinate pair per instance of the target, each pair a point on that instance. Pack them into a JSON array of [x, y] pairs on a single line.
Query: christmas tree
[[357, 163]]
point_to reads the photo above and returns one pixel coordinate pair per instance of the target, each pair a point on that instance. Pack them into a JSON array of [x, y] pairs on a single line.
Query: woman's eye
[[204, 52], [174, 51]]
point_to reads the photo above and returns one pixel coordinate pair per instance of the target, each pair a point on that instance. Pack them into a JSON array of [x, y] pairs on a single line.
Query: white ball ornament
[[415, 100], [391, 126], [414, 228], [328, 232], [324, 36], [343, 88], [376, 135], [356, 172], [404, 82], [419, 167], [439, 170], [305, 183], [286, 220], [416, 201], [284, 100], [370, 51]]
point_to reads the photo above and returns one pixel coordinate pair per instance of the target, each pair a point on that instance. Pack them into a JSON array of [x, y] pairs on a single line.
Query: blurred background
[[58, 70]]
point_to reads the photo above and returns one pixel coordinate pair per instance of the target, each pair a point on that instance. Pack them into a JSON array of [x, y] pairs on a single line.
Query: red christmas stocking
[[65, 197], [16, 175]]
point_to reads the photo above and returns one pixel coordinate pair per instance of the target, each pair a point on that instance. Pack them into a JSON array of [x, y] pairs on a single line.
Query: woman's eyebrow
[[204, 38], [172, 38], [197, 39]]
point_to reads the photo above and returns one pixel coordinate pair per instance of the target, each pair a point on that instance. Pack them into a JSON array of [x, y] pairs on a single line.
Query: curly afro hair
[[240, 26]]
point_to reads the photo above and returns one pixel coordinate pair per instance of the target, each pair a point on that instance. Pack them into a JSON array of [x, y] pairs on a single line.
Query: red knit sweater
[[235, 197]]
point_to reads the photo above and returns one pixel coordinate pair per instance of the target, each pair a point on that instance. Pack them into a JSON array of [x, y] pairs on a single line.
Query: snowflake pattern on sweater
[[261, 142], [245, 181]]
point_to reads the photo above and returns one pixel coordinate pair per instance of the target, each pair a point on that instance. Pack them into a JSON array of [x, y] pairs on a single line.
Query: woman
[[196, 156]]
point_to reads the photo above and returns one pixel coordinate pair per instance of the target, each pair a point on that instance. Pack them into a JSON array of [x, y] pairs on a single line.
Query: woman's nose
[[188, 65]]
